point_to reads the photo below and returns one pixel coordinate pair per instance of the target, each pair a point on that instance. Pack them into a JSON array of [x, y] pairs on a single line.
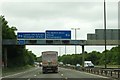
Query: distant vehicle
[[49, 61], [61, 64], [88, 64], [40, 64], [77, 65], [36, 63], [68, 65]]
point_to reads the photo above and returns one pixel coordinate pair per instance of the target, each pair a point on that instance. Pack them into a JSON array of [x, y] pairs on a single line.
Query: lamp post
[[65, 49], [75, 37], [59, 51], [105, 33]]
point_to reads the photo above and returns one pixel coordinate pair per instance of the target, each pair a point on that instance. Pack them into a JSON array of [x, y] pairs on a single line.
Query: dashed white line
[[66, 78], [28, 79], [61, 74]]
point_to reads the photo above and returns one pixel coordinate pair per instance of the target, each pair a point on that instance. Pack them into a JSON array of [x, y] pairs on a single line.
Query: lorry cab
[[88, 64]]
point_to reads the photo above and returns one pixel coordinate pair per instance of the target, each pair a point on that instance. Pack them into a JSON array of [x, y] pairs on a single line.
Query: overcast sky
[[38, 16]]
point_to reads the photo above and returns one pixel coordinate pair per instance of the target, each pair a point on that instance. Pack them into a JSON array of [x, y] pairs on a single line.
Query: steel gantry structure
[[82, 43]]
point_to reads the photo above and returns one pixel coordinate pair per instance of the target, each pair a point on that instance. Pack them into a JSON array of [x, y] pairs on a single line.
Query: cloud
[[47, 10], [86, 11]]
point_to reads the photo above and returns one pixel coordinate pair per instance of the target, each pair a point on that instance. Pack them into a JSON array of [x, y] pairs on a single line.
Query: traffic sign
[[21, 42], [30, 35], [58, 34]]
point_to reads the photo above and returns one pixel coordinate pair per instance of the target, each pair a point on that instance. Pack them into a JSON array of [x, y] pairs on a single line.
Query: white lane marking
[[18, 73], [66, 78], [61, 74], [28, 79], [35, 75], [87, 73]]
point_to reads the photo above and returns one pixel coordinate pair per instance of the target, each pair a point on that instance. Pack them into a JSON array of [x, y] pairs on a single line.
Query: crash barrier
[[109, 72]]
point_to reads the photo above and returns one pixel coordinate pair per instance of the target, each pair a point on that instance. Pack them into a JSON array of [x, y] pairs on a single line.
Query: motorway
[[63, 74]]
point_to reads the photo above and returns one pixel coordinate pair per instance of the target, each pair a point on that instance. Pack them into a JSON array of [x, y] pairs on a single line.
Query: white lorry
[[49, 61], [88, 64]]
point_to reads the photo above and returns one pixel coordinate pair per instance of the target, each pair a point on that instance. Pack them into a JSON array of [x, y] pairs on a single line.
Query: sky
[[39, 16]]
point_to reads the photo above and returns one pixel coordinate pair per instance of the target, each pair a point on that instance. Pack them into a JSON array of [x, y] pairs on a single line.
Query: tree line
[[112, 57], [17, 56]]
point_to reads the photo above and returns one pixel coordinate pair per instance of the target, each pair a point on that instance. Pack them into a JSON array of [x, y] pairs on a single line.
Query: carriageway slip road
[[63, 74]]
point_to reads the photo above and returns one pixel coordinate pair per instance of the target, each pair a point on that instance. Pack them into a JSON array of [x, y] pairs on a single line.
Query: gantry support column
[[83, 58], [5, 57]]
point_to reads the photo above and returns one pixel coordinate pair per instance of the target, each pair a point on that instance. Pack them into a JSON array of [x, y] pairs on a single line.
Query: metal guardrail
[[109, 72]]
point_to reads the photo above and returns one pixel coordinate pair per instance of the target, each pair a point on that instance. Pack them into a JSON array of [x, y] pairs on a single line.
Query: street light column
[[65, 49], [75, 37], [105, 32]]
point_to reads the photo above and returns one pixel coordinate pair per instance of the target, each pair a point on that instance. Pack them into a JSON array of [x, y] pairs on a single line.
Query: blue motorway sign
[[58, 34], [30, 35], [21, 42]]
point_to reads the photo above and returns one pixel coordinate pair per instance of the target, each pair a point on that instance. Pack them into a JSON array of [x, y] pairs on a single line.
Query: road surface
[[63, 74]]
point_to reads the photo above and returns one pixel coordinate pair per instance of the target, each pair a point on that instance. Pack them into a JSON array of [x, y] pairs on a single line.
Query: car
[[61, 64], [78, 65], [67, 64], [40, 64], [36, 63]]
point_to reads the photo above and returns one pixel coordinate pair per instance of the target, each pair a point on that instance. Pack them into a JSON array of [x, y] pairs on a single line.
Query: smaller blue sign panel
[[30, 35], [21, 42], [58, 34]]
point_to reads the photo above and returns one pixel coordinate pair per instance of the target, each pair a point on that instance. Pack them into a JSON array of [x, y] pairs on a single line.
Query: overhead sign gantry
[[63, 37]]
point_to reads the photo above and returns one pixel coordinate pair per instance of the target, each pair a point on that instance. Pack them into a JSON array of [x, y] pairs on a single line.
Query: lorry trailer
[[49, 61]]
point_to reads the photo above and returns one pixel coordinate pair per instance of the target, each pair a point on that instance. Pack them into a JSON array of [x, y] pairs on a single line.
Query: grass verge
[[10, 71]]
